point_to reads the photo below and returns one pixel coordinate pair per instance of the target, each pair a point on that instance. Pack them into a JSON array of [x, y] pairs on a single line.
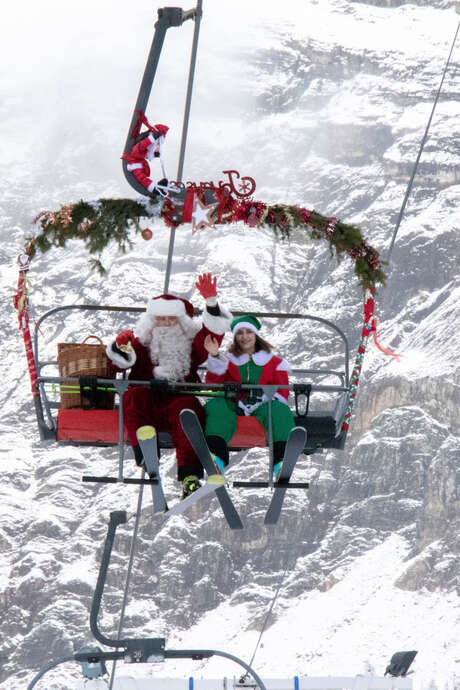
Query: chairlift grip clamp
[[172, 15], [302, 389], [118, 517]]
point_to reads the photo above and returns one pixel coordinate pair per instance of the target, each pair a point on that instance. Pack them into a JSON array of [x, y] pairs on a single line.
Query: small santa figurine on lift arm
[[143, 152], [168, 343]]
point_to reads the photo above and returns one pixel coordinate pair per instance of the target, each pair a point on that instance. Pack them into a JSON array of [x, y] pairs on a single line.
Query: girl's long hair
[[261, 344]]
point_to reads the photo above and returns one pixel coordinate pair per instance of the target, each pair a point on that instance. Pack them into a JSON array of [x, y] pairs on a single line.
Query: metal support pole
[[167, 17], [45, 670], [422, 144], [188, 101], [128, 576], [121, 388], [270, 393]]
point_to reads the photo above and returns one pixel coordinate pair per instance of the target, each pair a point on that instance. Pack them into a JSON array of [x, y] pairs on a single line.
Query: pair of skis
[[294, 447], [216, 482], [147, 437]]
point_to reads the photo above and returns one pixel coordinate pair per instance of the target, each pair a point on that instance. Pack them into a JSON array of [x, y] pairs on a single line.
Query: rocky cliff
[[337, 99]]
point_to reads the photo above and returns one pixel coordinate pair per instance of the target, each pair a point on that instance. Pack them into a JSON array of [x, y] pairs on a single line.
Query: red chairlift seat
[[101, 427]]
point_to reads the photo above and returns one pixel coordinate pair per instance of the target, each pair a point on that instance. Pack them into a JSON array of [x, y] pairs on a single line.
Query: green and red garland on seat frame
[[99, 223]]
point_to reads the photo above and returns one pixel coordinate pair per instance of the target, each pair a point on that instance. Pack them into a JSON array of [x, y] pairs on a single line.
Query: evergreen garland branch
[[95, 224], [99, 223]]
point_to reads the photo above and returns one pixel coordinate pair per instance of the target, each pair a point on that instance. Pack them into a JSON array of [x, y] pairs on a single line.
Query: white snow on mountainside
[[325, 105]]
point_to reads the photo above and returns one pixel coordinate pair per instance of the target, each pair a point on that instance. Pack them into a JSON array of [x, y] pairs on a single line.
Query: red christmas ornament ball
[[147, 234]]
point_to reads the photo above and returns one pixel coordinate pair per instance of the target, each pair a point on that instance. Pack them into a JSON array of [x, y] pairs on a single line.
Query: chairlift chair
[[98, 427]]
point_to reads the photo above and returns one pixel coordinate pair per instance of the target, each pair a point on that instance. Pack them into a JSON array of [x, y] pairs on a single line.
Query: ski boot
[[189, 485], [218, 464], [277, 470]]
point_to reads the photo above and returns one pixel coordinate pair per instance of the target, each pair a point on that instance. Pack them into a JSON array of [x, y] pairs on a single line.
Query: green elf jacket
[[267, 367]]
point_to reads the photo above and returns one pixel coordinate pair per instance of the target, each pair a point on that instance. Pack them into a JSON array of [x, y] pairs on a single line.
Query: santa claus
[[150, 146], [168, 343]]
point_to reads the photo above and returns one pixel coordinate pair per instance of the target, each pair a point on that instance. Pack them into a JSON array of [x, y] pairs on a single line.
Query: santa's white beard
[[170, 349]]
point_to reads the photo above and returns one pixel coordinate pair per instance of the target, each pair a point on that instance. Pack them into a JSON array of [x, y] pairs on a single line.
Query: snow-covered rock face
[[325, 105]]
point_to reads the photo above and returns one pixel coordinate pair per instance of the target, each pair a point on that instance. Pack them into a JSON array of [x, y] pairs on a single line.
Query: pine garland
[[99, 223], [96, 224]]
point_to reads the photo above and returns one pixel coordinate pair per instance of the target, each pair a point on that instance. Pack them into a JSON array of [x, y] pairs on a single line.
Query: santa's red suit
[[166, 352], [143, 152]]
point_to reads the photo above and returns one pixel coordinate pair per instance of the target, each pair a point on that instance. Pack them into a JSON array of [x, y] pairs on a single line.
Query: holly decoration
[[99, 223]]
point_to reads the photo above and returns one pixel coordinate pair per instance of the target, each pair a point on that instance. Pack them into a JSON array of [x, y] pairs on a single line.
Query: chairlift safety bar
[[262, 315]]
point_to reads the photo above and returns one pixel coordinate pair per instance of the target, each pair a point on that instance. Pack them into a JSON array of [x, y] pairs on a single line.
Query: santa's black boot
[[138, 457]]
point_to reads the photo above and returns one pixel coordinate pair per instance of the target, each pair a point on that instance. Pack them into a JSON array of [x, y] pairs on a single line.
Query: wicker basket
[[85, 359]]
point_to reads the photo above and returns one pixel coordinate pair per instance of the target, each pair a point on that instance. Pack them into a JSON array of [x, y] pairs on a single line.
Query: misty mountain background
[[325, 105]]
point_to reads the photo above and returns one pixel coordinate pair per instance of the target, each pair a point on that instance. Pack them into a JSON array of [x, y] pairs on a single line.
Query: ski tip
[[216, 479], [145, 432]]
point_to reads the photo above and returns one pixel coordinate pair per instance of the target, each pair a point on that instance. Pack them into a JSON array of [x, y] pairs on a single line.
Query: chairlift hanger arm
[[190, 14], [144, 649], [168, 17]]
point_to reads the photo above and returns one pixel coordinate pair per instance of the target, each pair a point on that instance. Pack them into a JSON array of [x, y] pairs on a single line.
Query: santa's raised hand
[[206, 286]]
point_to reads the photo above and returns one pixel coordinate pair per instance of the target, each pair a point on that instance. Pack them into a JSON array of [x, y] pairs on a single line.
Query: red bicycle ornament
[[241, 187]]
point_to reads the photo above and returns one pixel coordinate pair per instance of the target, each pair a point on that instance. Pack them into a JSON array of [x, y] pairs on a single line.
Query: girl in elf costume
[[249, 360]]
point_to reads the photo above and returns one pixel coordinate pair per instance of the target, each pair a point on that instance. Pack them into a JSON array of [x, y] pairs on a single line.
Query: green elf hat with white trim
[[247, 321]]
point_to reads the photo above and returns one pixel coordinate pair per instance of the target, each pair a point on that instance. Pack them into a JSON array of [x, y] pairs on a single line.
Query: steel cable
[[128, 574], [422, 145], [398, 223]]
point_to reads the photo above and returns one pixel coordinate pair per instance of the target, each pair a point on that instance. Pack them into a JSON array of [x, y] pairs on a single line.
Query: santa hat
[[160, 129], [247, 321], [170, 305]]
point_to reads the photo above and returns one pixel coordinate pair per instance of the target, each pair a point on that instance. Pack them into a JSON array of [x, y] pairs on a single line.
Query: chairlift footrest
[[265, 485], [116, 480]]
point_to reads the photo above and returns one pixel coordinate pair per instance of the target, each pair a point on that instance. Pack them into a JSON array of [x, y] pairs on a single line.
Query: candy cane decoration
[[21, 303], [370, 326], [369, 306]]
